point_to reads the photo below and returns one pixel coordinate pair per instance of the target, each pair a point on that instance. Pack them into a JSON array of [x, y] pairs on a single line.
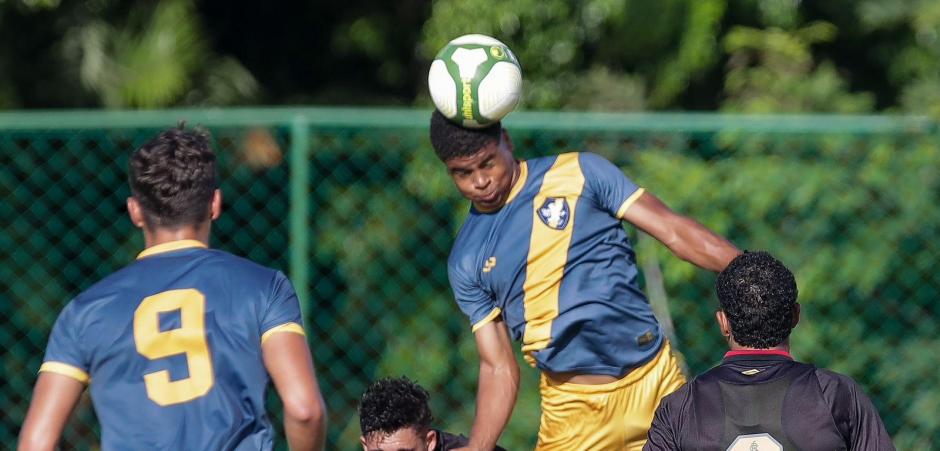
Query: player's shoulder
[[127, 276], [463, 253], [592, 163], [835, 384], [472, 234], [238, 263], [242, 271], [680, 399]]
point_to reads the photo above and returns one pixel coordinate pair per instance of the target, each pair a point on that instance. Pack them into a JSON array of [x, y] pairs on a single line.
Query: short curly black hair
[[451, 140], [390, 404], [757, 293], [173, 177]]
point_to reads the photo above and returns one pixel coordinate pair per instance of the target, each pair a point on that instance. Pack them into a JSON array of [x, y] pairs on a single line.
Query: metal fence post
[[299, 209]]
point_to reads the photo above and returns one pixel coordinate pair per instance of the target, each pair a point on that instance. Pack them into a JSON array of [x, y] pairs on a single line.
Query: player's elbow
[[505, 371], [33, 440], [309, 410]]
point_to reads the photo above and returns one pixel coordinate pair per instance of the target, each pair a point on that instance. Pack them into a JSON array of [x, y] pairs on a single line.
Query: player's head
[[174, 181], [394, 415], [479, 160], [757, 300]]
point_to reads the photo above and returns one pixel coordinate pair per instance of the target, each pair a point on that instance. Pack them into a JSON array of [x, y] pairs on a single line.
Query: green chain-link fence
[[357, 210]]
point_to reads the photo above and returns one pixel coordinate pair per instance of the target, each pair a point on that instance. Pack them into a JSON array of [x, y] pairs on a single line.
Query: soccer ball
[[475, 80]]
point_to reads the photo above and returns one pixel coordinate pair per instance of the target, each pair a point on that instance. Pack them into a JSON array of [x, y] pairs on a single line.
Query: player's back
[[765, 400], [172, 345]]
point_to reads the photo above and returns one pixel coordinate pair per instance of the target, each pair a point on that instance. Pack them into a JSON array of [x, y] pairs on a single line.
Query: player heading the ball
[[543, 259]]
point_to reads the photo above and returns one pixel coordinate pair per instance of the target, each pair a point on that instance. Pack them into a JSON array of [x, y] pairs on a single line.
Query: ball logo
[[497, 52], [467, 62], [755, 442], [554, 212]]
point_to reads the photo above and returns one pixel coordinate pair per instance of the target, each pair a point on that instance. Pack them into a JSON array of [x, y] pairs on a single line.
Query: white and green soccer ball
[[475, 80]]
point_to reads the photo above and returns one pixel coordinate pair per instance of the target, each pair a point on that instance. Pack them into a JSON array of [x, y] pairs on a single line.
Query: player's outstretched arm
[[287, 359], [54, 398], [685, 237], [498, 385]]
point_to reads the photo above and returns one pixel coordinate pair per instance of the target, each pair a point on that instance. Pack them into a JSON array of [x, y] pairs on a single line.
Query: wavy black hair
[[390, 404], [451, 140], [173, 177], [758, 294]]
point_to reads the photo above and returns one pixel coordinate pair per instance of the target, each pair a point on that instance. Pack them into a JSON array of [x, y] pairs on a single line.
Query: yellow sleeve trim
[[65, 370], [488, 319], [630, 200], [286, 327]]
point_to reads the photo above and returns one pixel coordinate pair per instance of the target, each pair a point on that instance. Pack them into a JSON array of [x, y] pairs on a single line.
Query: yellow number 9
[[189, 339]]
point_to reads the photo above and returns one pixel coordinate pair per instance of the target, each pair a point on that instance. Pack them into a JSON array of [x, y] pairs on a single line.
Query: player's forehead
[[404, 439], [473, 160]]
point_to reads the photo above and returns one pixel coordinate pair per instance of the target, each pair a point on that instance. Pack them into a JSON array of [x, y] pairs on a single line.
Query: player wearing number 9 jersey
[[179, 346]]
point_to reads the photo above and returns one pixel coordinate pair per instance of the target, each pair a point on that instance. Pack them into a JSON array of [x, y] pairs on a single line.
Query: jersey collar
[[759, 352], [523, 172], [170, 246]]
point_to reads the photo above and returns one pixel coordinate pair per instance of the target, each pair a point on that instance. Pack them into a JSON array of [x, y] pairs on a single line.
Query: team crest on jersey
[[755, 442], [555, 212]]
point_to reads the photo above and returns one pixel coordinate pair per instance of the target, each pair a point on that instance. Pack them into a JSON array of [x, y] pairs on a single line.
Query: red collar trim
[[759, 352]]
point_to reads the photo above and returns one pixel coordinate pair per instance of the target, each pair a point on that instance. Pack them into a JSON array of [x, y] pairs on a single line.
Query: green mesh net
[[354, 206]]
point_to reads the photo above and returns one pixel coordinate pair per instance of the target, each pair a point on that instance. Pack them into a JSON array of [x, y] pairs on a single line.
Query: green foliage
[[772, 70], [914, 67], [605, 55], [155, 59]]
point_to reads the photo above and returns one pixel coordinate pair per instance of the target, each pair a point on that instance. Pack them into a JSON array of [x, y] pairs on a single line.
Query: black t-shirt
[[447, 441], [768, 402]]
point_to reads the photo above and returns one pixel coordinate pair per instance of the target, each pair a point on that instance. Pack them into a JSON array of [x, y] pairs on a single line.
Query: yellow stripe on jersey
[[286, 327], [488, 319], [548, 253], [65, 370], [630, 201], [170, 246]]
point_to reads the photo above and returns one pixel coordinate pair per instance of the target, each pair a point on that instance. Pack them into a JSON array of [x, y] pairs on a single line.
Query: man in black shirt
[[394, 416], [759, 398]]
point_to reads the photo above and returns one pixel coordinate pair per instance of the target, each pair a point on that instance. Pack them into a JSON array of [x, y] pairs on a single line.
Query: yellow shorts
[[612, 416]]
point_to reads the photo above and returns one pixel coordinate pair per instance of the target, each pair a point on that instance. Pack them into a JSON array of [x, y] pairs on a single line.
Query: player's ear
[[431, 439], [796, 314], [506, 141], [216, 204], [135, 212], [723, 323], [362, 441]]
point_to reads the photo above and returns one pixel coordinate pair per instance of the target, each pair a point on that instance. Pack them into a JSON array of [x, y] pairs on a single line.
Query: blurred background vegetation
[[616, 55], [853, 211]]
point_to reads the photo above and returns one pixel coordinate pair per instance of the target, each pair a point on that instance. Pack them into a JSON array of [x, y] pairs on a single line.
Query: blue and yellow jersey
[[171, 348], [556, 263]]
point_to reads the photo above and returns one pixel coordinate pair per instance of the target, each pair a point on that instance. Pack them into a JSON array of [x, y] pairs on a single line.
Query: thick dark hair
[[757, 293], [390, 404], [451, 140], [173, 177]]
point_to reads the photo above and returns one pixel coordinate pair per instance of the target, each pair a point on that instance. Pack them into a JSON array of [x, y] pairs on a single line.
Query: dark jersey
[[765, 401], [556, 263], [447, 441], [171, 348]]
